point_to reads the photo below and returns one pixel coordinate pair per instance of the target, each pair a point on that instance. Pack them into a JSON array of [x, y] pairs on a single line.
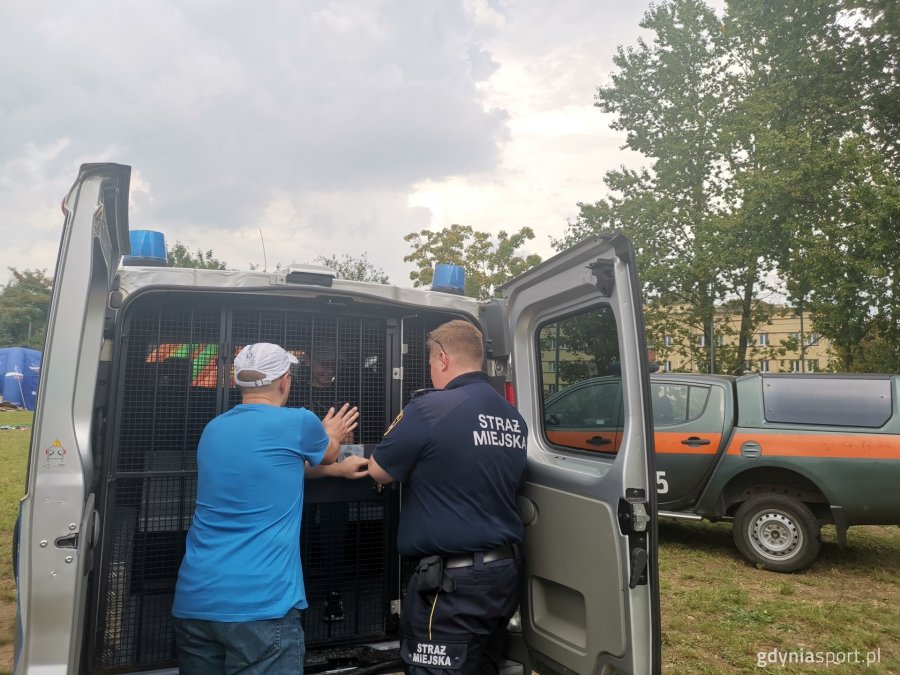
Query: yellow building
[[788, 343]]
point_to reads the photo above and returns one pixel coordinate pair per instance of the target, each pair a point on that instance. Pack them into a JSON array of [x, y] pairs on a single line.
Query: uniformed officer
[[460, 452]]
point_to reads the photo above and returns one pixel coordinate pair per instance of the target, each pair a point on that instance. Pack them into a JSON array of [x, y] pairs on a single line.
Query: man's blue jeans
[[269, 647]]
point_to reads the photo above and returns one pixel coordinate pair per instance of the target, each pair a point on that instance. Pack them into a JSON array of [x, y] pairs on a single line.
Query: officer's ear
[[443, 359]]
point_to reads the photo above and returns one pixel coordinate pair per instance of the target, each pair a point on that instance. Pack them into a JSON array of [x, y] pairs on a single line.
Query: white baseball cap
[[263, 357]]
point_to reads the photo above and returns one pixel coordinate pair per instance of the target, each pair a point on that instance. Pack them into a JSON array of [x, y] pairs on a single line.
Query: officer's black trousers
[[464, 623]]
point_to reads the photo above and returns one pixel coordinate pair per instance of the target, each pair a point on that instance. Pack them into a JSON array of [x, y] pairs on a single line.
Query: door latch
[[634, 518], [633, 515], [67, 541], [639, 516]]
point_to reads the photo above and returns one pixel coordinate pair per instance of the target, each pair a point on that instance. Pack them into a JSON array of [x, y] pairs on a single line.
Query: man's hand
[[352, 467], [341, 423]]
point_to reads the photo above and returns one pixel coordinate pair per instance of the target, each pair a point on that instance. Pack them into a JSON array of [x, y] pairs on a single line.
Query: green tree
[[24, 308], [851, 268], [793, 101], [684, 213], [814, 119], [771, 149], [785, 125], [489, 261], [354, 269], [180, 256], [591, 340], [855, 270]]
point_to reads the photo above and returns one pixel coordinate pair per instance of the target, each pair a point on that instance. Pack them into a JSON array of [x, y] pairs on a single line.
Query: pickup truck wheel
[[777, 532]]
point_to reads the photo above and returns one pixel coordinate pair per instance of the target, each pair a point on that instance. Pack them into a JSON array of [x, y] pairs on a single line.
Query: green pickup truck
[[779, 455]]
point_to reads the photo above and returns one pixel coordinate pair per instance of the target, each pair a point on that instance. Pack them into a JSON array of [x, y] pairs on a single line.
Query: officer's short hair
[[461, 339]]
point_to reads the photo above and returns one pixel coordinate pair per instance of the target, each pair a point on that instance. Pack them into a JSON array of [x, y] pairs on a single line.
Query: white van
[[139, 359]]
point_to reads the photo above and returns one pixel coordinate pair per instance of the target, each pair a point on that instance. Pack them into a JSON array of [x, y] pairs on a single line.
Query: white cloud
[[336, 127]]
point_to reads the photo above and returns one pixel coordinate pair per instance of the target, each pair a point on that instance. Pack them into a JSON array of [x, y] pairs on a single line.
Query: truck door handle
[[599, 440], [694, 441]]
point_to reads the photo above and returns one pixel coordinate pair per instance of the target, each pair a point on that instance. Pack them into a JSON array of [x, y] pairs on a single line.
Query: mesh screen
[[174, 380], [416, 371], [341, 360], [343, 551]]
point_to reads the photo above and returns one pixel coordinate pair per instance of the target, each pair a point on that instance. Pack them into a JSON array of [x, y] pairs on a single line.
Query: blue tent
[[20, 369]]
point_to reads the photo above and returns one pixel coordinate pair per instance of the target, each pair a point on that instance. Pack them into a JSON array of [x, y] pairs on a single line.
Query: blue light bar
[[148, 248], [449, 279]]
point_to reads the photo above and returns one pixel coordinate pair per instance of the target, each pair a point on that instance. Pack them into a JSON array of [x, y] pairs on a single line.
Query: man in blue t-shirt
[[460, 451], [240, 586]]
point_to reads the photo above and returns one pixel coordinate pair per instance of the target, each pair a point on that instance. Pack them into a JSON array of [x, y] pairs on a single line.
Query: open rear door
[[591, 599], [57, 520]]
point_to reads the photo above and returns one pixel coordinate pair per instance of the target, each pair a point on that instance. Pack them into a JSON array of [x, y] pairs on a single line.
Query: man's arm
[[379, 474], [352, 467], [400, 446]]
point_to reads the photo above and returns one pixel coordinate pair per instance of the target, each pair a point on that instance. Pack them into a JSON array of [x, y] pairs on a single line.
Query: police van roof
[[304, 278]]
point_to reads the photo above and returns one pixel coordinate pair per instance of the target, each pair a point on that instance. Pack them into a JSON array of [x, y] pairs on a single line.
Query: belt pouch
[[429, 574]]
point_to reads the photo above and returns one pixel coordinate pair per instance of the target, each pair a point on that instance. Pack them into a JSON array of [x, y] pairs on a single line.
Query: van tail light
[[509, 393]]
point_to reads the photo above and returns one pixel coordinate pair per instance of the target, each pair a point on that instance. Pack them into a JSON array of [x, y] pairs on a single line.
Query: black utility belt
[[430, 577], [469, 559]]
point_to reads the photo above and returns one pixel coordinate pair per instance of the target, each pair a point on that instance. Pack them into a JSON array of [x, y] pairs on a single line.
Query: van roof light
[[148, 248], [449, 279]]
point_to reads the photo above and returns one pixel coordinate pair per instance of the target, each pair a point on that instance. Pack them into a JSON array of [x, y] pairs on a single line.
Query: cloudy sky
[[333, 127]]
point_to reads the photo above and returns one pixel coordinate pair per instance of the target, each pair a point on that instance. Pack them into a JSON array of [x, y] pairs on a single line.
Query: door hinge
[[604, 276]]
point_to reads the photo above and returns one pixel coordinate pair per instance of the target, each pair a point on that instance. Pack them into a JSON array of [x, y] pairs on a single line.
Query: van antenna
[[263, 241]]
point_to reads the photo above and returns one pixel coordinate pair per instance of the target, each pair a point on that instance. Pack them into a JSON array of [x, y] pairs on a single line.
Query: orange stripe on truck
[[826, 445]]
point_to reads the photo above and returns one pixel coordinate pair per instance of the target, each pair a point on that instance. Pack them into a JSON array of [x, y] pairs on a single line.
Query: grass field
[[13, 462], [718, 612]]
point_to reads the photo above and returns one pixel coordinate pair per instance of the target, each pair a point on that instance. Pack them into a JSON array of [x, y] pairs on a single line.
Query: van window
[[697, 398], [581, 381], [677, 403], [832, 401]]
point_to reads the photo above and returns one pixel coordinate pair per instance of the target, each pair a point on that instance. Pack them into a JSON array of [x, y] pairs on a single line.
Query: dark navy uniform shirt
[[460, 452]]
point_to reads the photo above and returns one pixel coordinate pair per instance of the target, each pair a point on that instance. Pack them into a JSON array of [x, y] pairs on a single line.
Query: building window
[[795, 365], [813, 339], [667, 341], [668, 367], [795, 337], [718, 340], [812, 365], [764, 366], [553, 342], [763, 340], [551, 366]]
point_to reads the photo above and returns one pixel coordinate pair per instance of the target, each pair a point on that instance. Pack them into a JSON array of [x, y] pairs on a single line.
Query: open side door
[[57, 520], [591, 597]]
